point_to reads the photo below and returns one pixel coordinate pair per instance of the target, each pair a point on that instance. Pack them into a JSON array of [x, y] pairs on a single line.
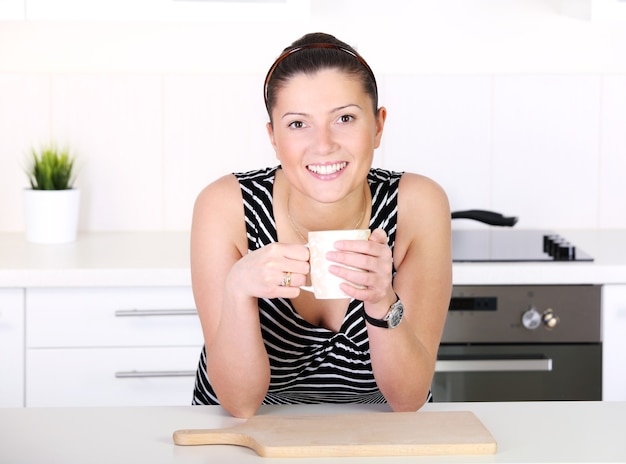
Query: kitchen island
[[542, 432]]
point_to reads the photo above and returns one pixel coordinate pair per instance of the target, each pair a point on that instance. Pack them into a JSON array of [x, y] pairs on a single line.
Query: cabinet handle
[[154, 312], [493, 365], [147, 374]]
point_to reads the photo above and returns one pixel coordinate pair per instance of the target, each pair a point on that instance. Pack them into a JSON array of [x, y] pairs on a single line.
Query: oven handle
[[493, 365]]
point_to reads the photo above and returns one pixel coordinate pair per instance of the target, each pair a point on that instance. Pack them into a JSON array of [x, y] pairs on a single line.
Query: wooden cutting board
[[365, 434]]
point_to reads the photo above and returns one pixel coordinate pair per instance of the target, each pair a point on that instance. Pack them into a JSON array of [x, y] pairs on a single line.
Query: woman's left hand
[[374, 263]]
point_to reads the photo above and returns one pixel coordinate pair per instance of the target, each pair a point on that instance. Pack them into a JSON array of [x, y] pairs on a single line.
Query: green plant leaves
[[51, 169]]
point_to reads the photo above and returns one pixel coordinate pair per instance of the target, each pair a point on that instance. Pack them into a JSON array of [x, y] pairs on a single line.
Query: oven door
[[522, 372]]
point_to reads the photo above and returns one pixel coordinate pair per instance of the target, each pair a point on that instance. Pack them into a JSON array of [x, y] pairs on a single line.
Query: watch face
[[395, 315]]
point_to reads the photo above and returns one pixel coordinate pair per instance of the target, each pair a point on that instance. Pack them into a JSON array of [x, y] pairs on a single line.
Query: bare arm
[[226, 283], [403, 359]]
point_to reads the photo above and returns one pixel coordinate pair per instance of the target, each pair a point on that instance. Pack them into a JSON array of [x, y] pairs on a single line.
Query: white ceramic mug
[[325, 285]]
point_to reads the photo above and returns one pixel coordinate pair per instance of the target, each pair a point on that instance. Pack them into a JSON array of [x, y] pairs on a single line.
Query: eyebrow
[[334, 110]]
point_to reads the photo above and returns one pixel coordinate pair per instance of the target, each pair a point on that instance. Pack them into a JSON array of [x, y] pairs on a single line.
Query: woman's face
[[324, 133]]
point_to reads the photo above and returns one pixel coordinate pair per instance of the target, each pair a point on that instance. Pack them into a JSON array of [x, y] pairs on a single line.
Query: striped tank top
[[309, 364]]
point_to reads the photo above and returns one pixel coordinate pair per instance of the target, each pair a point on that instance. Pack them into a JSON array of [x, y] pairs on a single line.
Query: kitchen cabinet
[[110, 376], [111, 346], [106, 312], [151, 10], [11, 347], [614, 342]]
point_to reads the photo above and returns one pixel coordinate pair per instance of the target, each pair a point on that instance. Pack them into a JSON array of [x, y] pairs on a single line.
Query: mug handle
[[308, 288]]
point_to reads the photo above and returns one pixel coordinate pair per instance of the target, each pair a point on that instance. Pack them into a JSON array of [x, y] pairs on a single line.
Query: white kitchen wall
[[441, 126], [545, 147], [511, 105], [612, 161]]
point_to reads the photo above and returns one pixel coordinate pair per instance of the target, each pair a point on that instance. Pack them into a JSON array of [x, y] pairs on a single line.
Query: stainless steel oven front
[[521, 343]]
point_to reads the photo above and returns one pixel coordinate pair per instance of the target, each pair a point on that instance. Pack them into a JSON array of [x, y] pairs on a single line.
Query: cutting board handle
[[226, 436]]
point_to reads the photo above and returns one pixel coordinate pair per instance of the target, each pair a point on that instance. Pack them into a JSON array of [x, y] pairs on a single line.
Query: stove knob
[[565, 251], [550, 320], [531, 318], [556, 245], [548, 242]]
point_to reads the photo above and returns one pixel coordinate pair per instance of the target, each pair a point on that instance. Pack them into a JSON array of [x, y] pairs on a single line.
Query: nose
[[324, 141]]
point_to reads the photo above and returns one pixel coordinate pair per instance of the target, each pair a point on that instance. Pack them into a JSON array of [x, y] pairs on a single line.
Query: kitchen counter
[[97, 259], [548, 432], [132, 259], [607, 247]]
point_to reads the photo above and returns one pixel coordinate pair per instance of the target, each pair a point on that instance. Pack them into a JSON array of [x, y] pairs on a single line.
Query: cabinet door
[[98, 317], [111, 346], [11, 348], [111, 376], [614, 342]]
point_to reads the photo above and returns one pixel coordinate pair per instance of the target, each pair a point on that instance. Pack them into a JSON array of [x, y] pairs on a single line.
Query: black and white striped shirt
[[310, 364]]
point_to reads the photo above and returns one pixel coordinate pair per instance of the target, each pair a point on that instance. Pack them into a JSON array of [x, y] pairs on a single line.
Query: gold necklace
[[295, 228]]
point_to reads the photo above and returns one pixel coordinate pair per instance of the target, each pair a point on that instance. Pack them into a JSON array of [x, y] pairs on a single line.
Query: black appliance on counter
[[519, 342], [504, 245]]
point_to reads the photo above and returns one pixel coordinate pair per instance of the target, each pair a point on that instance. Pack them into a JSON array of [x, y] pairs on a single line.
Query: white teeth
[[326, 169]]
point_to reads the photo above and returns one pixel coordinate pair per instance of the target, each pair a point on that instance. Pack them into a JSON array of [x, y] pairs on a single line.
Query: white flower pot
[[51, 216]]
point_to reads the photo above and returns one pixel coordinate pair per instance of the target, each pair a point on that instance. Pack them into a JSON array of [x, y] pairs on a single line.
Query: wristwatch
[[391, 320]]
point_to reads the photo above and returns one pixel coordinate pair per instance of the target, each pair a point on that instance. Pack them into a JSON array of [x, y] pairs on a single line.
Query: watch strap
[[375, 322], [389, 321]]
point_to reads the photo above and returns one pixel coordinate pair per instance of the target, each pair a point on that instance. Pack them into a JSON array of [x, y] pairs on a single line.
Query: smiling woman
[[267, 341]]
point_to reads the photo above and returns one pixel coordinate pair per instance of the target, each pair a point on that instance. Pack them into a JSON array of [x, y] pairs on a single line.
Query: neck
[[324, 217]]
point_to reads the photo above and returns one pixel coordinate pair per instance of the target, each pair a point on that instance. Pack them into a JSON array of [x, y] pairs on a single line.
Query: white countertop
[[125, 259], [97, 259], [548, 432], [607, 247]]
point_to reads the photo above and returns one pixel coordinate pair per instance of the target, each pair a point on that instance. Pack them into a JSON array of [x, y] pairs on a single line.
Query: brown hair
[[314, 52]]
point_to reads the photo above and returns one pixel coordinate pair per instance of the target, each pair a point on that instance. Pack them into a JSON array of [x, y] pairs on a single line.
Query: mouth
[[327, 169]]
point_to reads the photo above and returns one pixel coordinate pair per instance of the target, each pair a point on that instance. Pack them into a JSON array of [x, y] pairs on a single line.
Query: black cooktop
[[511, 245]]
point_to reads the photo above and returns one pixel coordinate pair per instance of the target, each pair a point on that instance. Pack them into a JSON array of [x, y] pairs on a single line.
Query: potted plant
[[51, 204]]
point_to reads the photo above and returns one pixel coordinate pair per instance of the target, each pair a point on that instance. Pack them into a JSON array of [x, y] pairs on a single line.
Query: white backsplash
[[530, 125], [549, 149]]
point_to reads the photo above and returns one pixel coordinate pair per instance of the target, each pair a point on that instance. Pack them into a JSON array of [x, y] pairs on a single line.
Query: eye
[[345, 118], [296, 125]]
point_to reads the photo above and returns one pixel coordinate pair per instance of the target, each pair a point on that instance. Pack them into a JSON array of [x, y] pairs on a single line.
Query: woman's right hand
[[263, 272]]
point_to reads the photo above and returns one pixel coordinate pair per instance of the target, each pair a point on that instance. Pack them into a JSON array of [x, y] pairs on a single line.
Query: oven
[[519, 342]]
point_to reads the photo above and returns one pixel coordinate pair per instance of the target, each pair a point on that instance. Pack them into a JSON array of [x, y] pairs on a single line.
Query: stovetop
[[511, 245]]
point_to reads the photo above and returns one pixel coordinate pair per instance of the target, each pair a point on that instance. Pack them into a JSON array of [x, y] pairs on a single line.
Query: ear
[[270, 133], [381, 117]]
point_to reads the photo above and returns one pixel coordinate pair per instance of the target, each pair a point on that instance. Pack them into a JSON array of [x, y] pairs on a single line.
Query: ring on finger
[[286, 282]]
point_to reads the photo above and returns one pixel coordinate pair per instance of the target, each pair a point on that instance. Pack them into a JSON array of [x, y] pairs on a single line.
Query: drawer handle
[[148, 374], [494, 365], [155, 312]]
